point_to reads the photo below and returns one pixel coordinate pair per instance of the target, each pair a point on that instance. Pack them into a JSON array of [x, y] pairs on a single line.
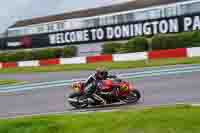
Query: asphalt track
[[158, 90], [51, 76]]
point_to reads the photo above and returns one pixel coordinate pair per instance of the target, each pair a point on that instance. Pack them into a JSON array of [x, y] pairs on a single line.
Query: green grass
[[109, 65], [179, 119], [8, 82]]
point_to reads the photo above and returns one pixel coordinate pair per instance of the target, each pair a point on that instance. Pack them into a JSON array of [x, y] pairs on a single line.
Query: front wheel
[[73, 100], [133, 97]]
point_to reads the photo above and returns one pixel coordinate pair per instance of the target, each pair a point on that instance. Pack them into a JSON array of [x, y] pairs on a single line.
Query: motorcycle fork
[[116, 92]]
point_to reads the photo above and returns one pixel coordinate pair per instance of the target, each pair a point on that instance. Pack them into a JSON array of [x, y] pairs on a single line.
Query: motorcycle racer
[[98, 89], [94, 80]]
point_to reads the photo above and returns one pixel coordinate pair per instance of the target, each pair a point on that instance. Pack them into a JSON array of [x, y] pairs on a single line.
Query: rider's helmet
[[101, 73]]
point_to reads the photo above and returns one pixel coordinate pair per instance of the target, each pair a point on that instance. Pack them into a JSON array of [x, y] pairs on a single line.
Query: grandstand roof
[[94, 11]]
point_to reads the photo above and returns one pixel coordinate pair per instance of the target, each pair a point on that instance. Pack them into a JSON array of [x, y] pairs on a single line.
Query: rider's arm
[[90, 80], [112, 76]]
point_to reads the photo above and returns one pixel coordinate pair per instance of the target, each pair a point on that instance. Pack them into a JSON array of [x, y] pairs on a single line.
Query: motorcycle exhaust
[[72, 100], [76, 101], [99, 98]]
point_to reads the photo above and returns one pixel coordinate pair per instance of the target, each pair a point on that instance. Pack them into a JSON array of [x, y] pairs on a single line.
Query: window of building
[[88, 23], [19, 32], [130, 17], [190, 8], [26, 31], [95, 22], [170, 11], [102, 21], [76, 24], [92, 22], [32, 30], [40, 29], [178, 8], [115, 19], [60, 26], [11, 33], [141, 15], [124, 18], [50, 27], [67, 25], [120, 18], [154, 14], [108, 20]]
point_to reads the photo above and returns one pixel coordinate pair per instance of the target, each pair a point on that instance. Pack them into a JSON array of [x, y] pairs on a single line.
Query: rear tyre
[[133, 97], [76, 103]]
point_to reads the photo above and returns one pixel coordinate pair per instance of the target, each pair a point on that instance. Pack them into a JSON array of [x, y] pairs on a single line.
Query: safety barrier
[[49, 62], [193, 52], [99, 58], [171, 53], [74, 60], [9, 64], [130, 56], [28, 63]]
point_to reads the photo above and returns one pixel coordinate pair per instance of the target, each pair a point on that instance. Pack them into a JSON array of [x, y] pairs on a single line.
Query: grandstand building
[[89, 29]]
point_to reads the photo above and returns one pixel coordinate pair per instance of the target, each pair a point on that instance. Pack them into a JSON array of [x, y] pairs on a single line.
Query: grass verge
[[109, 65], [8, 82], [179, 119]]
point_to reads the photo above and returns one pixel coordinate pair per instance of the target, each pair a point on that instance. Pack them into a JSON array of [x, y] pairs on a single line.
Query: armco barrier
[[9, 65], [28, 63], [49, 62], [172, 53], [99, 58], [130, 56], [74, 60], [193, 52]]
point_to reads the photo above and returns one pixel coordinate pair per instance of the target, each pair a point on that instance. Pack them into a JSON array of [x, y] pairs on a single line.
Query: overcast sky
[[13, 10]]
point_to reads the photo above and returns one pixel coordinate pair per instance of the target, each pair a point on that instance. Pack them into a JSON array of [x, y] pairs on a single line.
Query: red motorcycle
[[109, 91]]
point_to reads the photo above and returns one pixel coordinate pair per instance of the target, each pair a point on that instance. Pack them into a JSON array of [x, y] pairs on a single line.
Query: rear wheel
[[74, 101], [133, 97]]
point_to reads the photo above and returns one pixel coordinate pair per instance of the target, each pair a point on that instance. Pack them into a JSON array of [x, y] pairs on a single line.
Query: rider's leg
[[90, 89], [90, 92], [94, 94]]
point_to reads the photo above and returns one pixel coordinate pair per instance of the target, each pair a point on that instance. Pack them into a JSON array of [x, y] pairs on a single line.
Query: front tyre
[[133, 97], [73, 100]]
